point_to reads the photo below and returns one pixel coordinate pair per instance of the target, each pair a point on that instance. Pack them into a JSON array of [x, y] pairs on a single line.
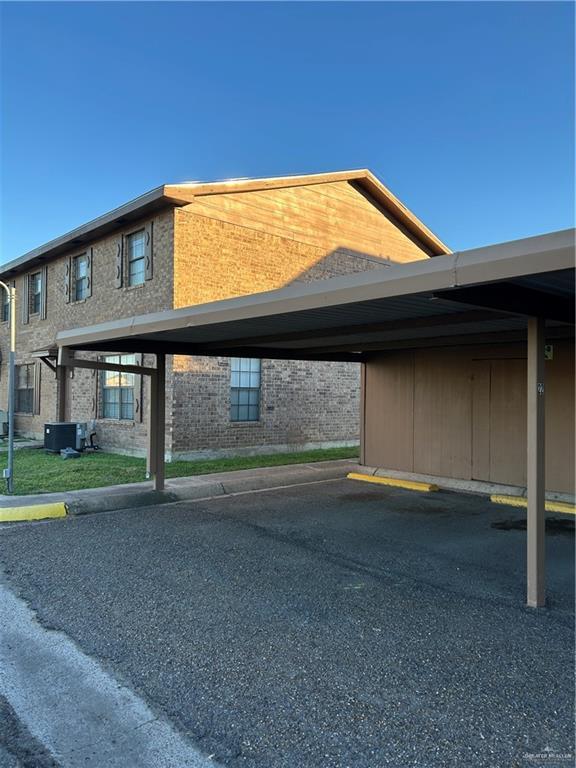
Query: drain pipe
[[8, 473]]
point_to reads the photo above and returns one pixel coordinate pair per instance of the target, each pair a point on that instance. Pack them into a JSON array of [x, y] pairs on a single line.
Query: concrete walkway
[[187, 488]]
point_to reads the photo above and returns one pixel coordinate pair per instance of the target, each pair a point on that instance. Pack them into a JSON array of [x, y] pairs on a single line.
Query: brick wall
[[105, 303], [217, 260], [302, 403]]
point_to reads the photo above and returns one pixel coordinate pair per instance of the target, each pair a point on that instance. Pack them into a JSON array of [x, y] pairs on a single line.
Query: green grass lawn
[[36, 471]]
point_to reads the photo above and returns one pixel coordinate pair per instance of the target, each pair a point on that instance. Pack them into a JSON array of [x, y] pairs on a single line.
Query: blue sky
[[465, 110]]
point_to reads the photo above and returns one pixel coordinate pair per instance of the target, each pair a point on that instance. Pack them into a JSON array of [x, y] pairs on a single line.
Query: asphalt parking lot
[[331, 625]]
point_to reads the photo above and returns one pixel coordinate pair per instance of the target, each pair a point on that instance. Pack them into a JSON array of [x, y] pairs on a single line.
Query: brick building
[[194, 243]]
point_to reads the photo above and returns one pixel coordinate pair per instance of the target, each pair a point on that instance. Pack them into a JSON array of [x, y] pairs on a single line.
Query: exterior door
[[499, 421]]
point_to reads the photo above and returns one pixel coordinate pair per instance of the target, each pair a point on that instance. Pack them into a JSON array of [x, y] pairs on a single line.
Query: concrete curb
[[207, 490], [137, 496]]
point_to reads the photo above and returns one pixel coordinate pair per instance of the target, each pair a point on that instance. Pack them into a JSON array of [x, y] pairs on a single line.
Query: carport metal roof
[[500, 293], [474, 296]]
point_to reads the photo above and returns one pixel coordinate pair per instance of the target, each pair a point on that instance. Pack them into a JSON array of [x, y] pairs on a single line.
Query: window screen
[[244, 389], [25, 388], [135, 249], [118, 389], [80, 272], [35, 293]]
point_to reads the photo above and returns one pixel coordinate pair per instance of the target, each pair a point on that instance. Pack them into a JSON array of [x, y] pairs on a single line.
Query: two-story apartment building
[[193, 243]]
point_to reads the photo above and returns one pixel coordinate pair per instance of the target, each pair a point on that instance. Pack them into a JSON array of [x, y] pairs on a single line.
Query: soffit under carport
[[459, 297]]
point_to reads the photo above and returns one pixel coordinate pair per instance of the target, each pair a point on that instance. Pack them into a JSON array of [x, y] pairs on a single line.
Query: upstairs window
[[35, 293], [244, 389], [80, 277], [135, 252], [24, 388], [118, 389], [5, 307]]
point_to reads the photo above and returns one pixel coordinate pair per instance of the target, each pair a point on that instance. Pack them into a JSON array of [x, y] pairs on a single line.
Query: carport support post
[[536, 530], [157, 436], [62, 379], [152, 427]]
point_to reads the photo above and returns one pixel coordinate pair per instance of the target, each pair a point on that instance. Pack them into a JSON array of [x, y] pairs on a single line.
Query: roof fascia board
[[546, 253], [197, 189]]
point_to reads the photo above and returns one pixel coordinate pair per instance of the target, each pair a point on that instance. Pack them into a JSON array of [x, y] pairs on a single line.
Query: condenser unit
[[65, 434]]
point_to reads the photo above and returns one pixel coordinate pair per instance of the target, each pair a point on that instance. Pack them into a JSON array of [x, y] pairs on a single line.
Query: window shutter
[[148, 261], [68, 280], [44, 295], [25, 303], [119, 264], [37, 367], [139, 392], [89, 272]]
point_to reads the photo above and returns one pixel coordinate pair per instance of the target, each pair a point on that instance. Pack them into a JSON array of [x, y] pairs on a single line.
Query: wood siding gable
[[332, 216]]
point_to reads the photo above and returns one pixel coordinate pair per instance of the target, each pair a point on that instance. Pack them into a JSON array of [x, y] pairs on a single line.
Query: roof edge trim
[[181, 194]]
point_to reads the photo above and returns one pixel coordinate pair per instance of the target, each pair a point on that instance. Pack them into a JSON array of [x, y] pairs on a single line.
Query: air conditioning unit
[[3, 423], [65, 434]]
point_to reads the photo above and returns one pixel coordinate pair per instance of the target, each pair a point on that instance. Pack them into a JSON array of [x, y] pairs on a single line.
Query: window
[[244, 389], [35, 293], [5, 307], [135, 250], [118, 389], [80, 277], [25, 388]]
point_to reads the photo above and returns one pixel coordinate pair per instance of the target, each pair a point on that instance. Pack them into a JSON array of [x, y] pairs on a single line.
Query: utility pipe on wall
[[9, 471]]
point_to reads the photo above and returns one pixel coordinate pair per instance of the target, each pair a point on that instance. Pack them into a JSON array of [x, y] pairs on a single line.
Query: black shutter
[[148, 247], [68, 280], [119, 264], [89, 272], [25, 303]]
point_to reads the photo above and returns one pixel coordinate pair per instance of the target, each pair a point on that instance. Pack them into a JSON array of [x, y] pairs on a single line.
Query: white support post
[[536, 519]]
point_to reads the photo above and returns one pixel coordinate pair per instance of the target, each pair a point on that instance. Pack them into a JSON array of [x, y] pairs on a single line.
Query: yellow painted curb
[[410, 485], [33, 512], [520, 501]]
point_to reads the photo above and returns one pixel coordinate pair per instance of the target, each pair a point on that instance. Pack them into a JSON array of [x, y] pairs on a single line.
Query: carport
[[521, 291]]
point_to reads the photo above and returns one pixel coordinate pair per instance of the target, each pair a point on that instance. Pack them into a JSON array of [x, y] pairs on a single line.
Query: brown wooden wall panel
[[389, 431], [508, 422], [480, 419], [469, 414], [442, 414], [560, 416], [329, 216]]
